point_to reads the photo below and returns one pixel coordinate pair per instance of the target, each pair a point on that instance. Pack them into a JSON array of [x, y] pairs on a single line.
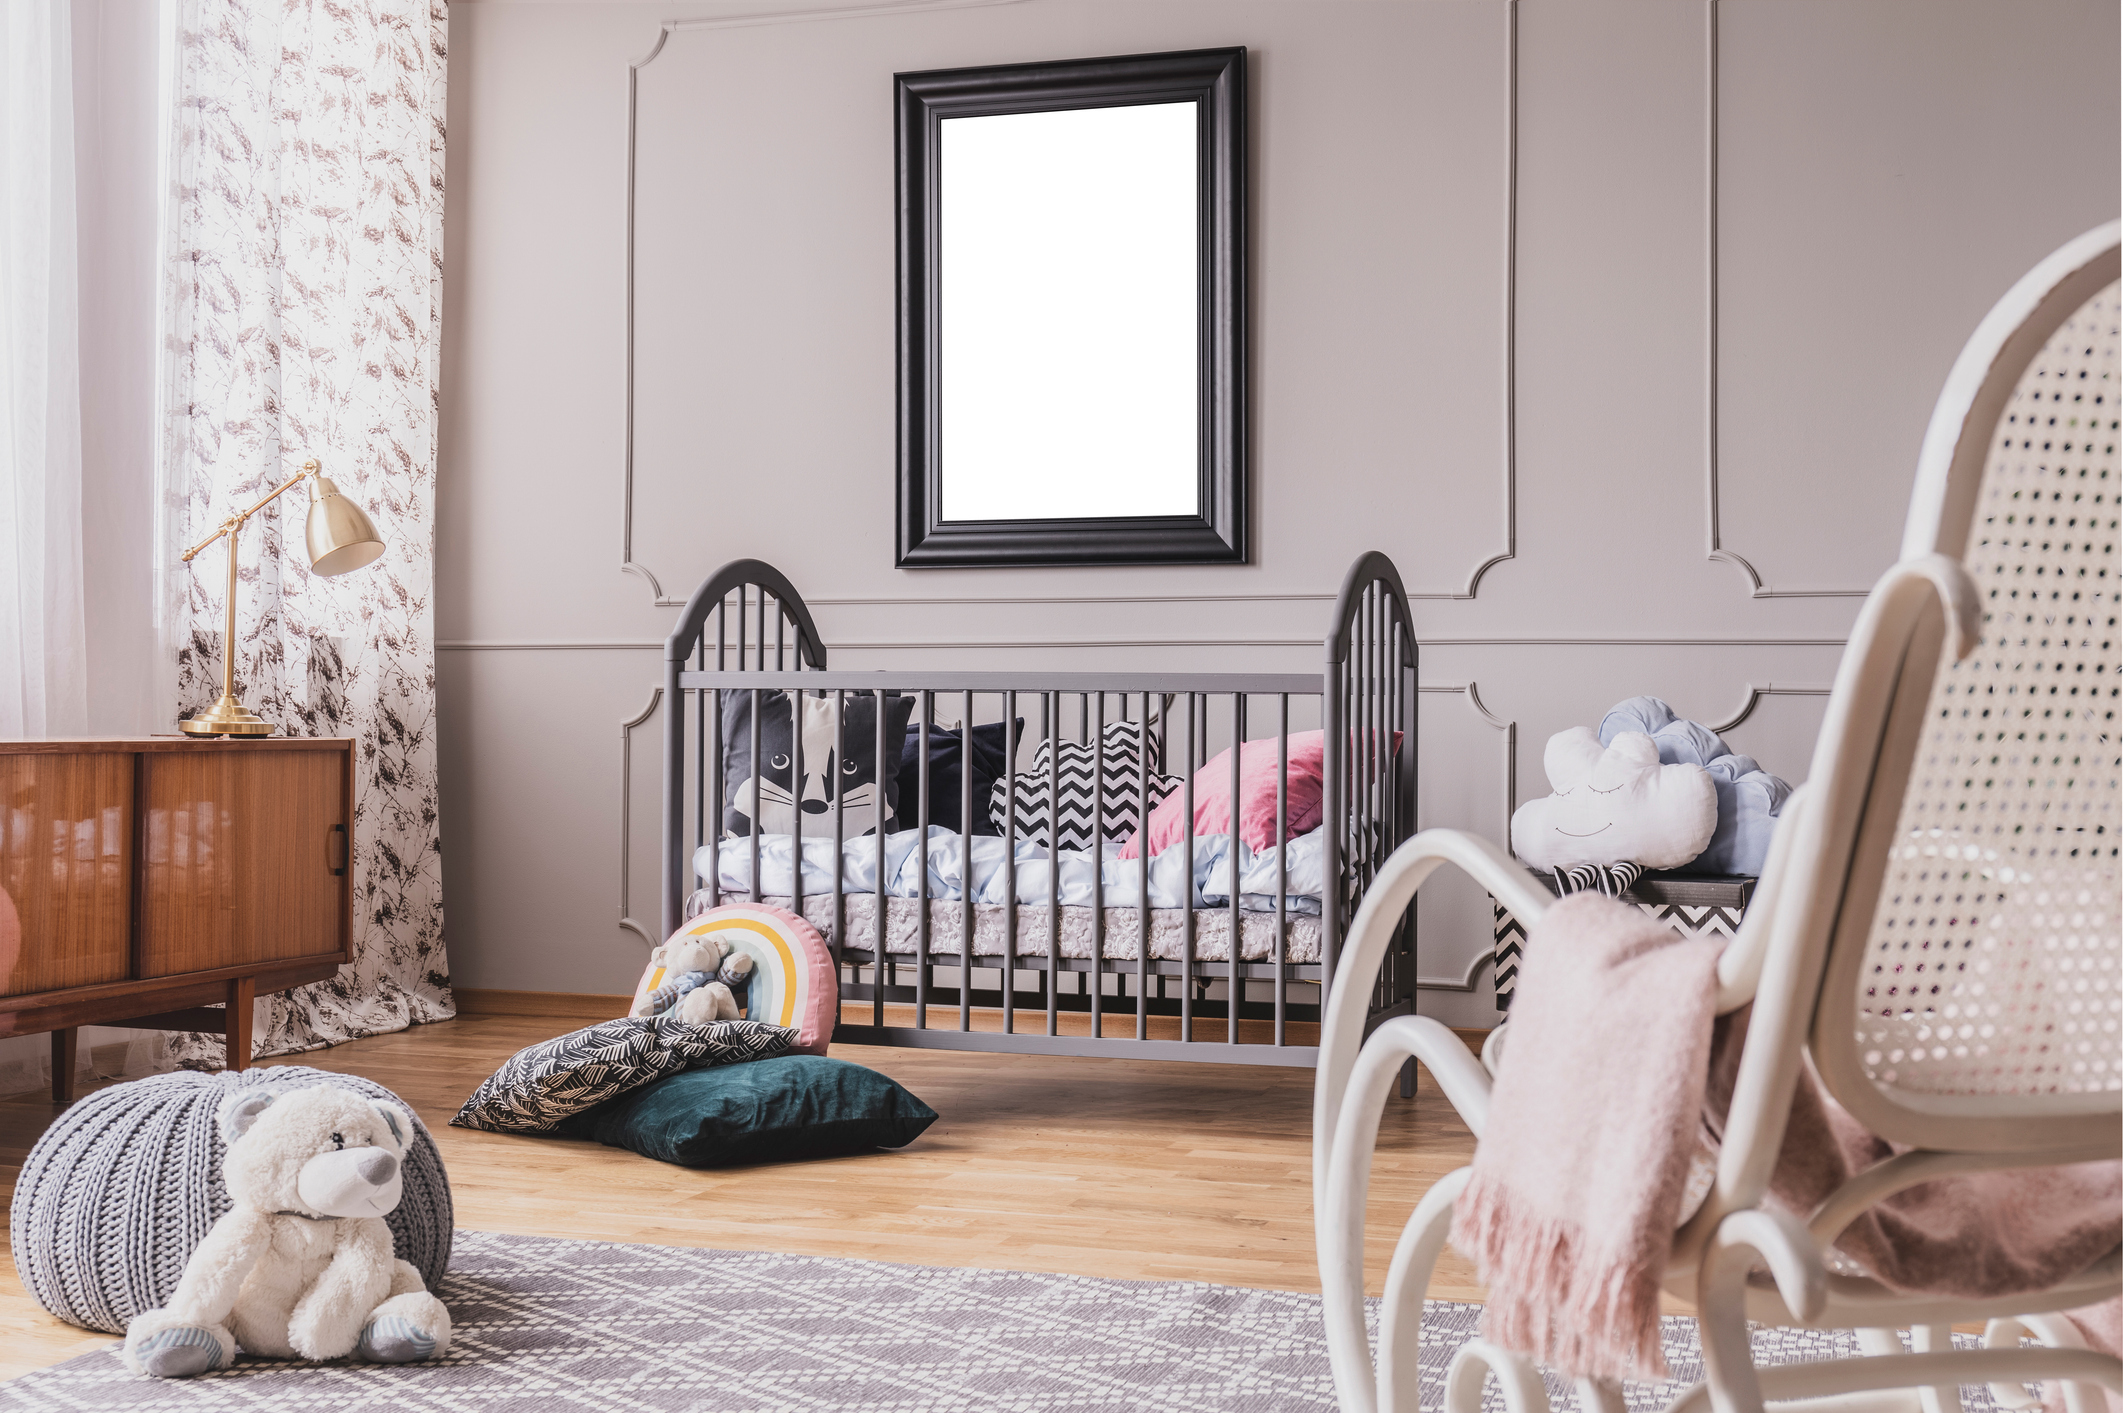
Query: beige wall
[[1882, 171]]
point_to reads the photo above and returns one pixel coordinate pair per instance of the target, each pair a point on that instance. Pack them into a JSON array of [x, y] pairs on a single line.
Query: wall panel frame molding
[[1754, 697], [1510, 467], [948, 644], [661, 597], [1718, 550], [626, 817], [872, 10]]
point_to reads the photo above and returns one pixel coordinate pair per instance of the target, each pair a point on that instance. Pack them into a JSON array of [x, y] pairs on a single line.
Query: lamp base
[[227, 717]]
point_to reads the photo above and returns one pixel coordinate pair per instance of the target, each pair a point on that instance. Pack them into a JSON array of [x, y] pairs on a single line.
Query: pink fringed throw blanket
[[1579, 1179]]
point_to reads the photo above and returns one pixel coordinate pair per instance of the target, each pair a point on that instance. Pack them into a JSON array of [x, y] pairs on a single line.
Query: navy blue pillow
[[993, 746], [767, 1111]]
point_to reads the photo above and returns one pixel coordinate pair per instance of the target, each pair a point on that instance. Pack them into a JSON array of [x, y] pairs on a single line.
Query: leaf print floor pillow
[[542, 1084]]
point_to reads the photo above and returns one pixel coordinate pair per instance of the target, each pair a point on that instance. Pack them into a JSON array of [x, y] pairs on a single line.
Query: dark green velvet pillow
[[764, 1111]]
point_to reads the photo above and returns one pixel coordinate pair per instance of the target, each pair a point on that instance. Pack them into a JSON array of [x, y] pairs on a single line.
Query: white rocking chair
[[2009, 558]]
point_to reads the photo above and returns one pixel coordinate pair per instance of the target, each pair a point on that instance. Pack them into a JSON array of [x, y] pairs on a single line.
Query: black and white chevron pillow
[[1119, 815], [542, 1084]]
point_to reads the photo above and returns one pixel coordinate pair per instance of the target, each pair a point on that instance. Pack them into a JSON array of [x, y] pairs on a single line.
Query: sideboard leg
[[66, 1046], [242, 991]]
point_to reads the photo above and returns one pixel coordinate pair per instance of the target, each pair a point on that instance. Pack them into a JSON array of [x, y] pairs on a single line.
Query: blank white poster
[[1069, 301]]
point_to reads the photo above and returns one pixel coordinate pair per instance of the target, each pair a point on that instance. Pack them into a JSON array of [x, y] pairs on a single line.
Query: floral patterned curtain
[[303, 298]]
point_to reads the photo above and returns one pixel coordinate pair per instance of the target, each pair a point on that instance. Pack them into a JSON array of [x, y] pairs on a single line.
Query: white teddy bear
[[700, 982], [303, 1266], [1615, 804]]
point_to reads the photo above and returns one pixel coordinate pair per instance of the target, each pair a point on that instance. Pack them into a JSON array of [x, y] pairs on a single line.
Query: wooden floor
[[1098, 1167]]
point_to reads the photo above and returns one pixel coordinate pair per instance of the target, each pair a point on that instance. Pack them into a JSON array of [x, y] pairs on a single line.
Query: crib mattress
[[1212, 929]]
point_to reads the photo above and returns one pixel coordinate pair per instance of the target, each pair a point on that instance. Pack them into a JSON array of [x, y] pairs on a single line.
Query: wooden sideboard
[[143, 881]]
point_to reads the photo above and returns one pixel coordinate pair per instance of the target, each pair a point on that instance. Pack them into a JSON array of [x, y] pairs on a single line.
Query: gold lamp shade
[[341, 536]]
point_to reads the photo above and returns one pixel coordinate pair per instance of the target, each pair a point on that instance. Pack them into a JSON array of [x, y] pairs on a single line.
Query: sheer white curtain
[[43, 625], [43, 631]]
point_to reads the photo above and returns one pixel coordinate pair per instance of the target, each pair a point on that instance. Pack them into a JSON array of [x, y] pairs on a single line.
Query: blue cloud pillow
[[1749, 797]]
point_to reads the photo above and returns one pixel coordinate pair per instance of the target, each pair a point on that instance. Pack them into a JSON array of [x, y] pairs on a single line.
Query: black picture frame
[[1214, 79]]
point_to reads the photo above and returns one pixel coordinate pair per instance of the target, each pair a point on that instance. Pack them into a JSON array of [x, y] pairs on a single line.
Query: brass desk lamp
[[341, 538]]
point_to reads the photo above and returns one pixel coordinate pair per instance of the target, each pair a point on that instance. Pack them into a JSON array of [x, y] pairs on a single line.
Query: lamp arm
[[235, 522]]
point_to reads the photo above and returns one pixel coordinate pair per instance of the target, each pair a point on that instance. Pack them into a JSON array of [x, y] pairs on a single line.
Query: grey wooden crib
[[1240, 982]]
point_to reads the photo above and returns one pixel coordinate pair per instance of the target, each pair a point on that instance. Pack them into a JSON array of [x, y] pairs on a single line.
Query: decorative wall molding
[[1471, 980], [981, 600], [1511, 299], [945, 645], [626, 815], [627, 563], [1718, 550], [1584, 641], [1768, 689], [863, 9], [490, 645]]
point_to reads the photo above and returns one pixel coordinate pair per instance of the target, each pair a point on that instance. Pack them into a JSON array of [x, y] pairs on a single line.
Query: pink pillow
[[794, 981], [1256, 784]]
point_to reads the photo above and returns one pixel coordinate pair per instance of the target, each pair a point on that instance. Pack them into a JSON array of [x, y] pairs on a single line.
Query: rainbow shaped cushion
[[793, 979]]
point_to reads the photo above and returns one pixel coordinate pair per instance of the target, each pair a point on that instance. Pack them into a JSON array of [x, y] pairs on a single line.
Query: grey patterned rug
[[547, 1326]]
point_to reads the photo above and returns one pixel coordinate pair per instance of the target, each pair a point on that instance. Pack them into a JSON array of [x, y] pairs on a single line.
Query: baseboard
[[568, 1005]]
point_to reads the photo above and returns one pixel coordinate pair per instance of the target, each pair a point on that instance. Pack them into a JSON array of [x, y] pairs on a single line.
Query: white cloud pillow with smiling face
[[1615, 804]]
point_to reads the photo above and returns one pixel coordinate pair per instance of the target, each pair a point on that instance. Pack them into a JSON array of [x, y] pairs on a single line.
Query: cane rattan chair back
[[1976, 976]]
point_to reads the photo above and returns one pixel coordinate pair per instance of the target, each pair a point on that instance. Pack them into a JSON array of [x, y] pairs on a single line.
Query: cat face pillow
[[849, 776], [1615, 804]]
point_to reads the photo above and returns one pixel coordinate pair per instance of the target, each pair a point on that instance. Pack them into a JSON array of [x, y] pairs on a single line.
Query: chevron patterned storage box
[[125, 1183], [1694, 905]]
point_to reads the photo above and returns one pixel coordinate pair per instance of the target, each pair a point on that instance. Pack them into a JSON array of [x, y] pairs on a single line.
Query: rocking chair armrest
[[1506, 879]]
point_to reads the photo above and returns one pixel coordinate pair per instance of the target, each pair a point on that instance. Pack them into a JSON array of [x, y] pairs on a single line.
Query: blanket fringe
[[1558, 1294]]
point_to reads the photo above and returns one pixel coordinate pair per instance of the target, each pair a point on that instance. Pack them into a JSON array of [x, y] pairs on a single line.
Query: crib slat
[[921, 864], [1050, 727], [1282, 858], [879, 895], [1142, 855], [756, 779], [965, 866], [1379, 751], [1367, 801], [710, 704], [837, 943], [796, 709], [1098, 870], [1331, 825], [1236, 986], [1186, 935], [1009, 863], [700, 757]]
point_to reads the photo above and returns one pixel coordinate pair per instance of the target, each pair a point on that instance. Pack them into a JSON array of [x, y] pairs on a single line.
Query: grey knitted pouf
[[125, 1183]]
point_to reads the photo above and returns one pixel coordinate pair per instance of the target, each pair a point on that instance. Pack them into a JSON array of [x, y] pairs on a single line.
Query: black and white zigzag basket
[[1694, 905]]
